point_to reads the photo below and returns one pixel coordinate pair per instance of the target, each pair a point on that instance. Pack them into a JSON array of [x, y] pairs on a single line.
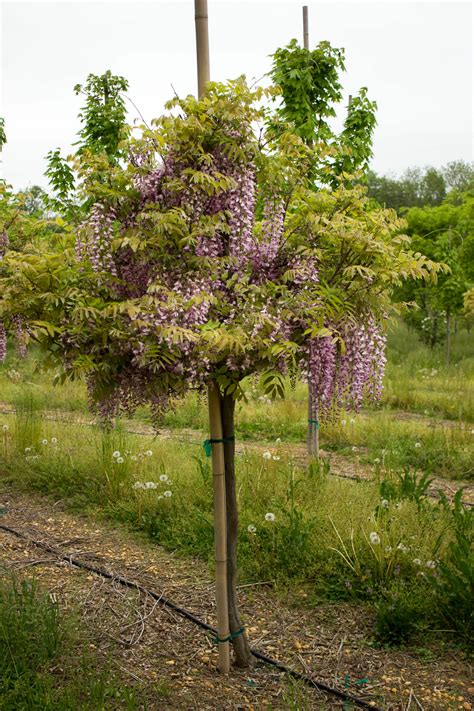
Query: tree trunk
[[218, 472], [312, 439], [448, 337], [243, 656]]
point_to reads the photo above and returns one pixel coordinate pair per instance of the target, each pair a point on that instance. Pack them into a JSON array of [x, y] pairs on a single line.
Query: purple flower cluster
[[3, 342], [339, 378]]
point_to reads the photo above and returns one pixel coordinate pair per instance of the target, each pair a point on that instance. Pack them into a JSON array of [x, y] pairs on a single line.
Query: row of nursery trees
[[232, 238]]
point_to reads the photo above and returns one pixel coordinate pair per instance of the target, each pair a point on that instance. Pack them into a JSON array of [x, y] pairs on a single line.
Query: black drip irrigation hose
[[320, 685]]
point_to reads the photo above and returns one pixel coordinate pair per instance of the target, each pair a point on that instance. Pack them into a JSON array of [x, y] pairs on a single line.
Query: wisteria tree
[[198, 266], [309, 91]]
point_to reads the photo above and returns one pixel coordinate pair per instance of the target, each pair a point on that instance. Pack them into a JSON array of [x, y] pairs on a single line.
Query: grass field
[[425, 420]]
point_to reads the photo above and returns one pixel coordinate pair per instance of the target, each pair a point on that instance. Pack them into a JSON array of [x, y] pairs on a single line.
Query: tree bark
[[218, 472], [243, 656], [448, 337], [312, 439]]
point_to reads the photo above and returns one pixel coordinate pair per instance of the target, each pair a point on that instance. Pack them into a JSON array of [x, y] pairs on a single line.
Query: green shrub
[[453, 579]]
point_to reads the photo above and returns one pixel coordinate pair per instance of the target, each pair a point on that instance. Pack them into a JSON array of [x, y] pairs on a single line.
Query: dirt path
[[341, 465], [176, 660]]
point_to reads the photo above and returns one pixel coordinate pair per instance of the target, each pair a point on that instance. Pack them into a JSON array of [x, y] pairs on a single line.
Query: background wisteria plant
[[200, 261]]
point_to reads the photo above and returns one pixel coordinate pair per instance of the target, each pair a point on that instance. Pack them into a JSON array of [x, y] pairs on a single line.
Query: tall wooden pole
[[215, 406], [312, 439], [202, 45], [305, 27]]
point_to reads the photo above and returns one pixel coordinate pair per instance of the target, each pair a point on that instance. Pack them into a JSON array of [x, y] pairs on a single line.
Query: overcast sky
[[415, 58]]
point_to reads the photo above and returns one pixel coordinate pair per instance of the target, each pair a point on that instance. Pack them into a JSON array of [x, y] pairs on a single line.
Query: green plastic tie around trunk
[[207, 444], [315, 423], [230, 637]]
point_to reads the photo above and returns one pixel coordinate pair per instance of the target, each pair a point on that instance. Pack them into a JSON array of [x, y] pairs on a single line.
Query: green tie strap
[[315, 423], [230, 637], [207, 444]]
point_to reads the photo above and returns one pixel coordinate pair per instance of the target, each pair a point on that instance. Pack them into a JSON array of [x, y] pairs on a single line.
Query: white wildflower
[[388, 549], [377, 461], [120, 460], [384, 503], [163, 477], [267, 455], [354, 449], [343, 423], [374, 538], [430, 564], [402, 548], [417, 561], [276, 458], [251, 529], [27, 449], [138, 485], [44, 441], [116, 455], [5, 428], [150, 485], [160, 497], [278, 439], [54, 440], [148, 453], [269, 517], [167, 494], [417, 445]]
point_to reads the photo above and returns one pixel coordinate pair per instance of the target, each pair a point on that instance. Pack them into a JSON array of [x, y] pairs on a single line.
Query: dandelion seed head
[[251, 529], [167, 494], [267, 455], [270, 517], [374, 538]]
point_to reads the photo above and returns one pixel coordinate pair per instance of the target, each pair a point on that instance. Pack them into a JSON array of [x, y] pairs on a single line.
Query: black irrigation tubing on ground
[[321, 686]]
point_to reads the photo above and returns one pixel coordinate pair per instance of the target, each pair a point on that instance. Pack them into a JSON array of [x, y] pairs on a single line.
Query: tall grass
[[44, 664], [318, 534]]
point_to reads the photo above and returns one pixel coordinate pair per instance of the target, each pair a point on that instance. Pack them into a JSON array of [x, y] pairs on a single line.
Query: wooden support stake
[[220, 524], [305, 27], [215, 405], [202, 45]]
